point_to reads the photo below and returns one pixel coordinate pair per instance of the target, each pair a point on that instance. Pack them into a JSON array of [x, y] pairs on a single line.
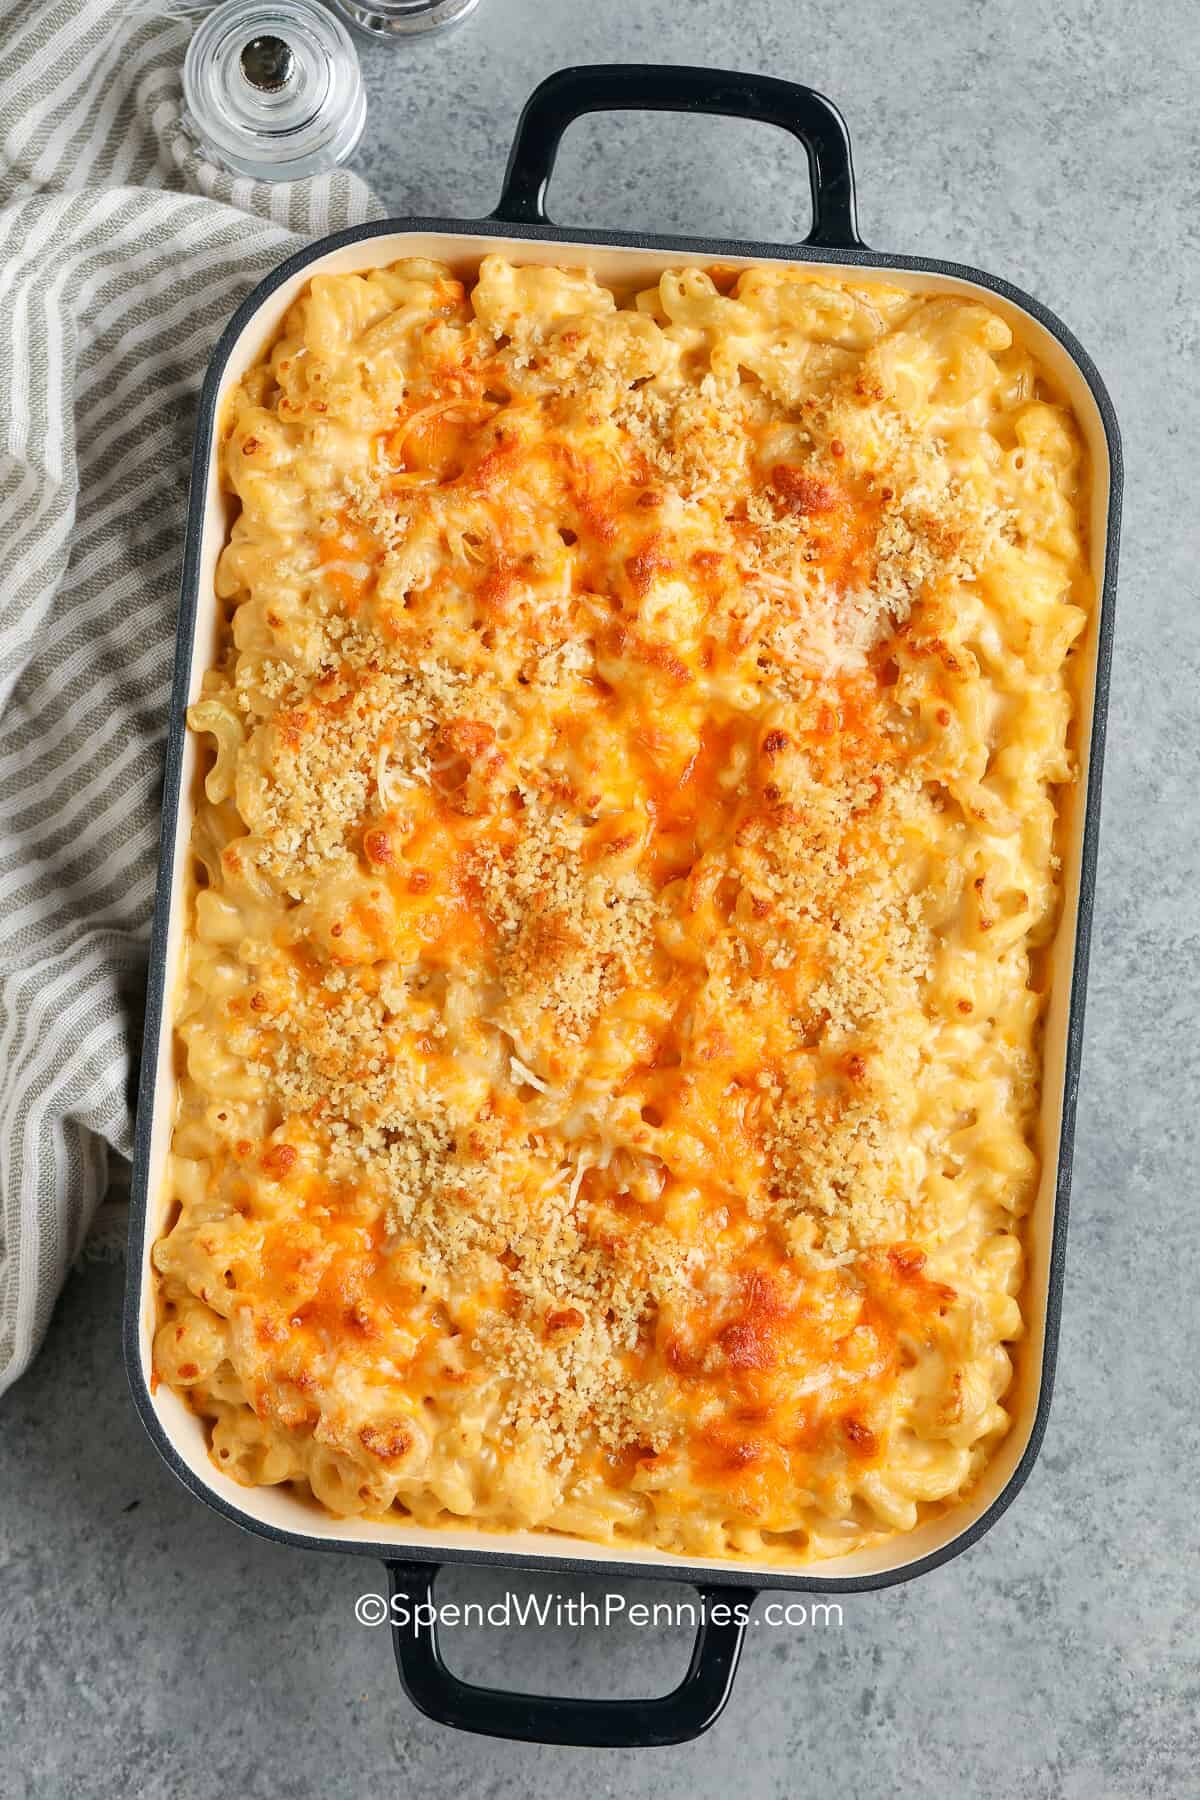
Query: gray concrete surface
[[149, 1649]]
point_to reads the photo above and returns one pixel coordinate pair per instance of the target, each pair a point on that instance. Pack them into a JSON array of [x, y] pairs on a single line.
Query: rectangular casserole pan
[[520, 229]]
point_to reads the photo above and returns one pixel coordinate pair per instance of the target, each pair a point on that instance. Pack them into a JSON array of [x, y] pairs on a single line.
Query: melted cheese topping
[[612, 992]]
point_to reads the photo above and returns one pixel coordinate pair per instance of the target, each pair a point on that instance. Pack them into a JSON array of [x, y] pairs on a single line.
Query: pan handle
[[630, 87], [671, 1718]]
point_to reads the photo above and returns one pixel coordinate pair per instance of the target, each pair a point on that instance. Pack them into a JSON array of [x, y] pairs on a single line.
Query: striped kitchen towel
[[122, 255]]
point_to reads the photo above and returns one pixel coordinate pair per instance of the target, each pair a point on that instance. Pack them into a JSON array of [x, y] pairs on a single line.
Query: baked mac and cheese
[[615, 949]]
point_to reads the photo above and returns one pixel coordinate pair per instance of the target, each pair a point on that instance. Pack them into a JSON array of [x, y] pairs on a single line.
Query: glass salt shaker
[[273, 89], [400, 21]]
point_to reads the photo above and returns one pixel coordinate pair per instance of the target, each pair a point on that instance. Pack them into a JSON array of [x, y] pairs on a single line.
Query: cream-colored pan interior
[[281, 1508]]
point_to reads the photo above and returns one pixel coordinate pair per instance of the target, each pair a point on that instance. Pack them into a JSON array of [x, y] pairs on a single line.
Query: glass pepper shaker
[[273, 89]]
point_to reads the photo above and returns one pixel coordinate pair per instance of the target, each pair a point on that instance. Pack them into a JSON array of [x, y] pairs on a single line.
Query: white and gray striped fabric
[[122, 254]]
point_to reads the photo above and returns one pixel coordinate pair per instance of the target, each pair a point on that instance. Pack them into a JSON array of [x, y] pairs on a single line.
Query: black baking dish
[[520, 225]]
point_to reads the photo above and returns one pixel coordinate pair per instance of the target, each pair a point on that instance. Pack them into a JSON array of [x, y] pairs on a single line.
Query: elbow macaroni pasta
[[616, 943]]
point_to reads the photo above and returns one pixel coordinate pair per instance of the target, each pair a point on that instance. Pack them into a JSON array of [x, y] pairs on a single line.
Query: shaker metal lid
[[273, 89], [268, 63]]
